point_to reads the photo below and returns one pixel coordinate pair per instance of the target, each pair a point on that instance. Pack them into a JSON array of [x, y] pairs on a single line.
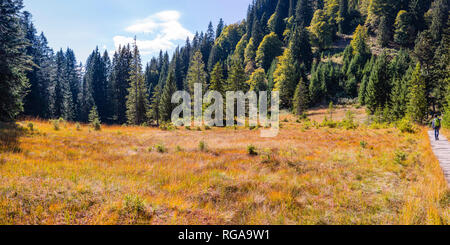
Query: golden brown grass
[[303, 176]]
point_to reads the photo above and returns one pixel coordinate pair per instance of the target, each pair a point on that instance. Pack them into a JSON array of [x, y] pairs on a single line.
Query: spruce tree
[[301, 47], [217, 79], [165, 106], [418, 106], [154, 113], [343, 19], [196, 73], [236, 78], [400, 95], [257, 81], [322, 32], [13, 60], [137, 99], [269, 48], [219, 28], [286, 78], [403, 29], [383, 33], [303, 13], [301, 98], [378, 88]]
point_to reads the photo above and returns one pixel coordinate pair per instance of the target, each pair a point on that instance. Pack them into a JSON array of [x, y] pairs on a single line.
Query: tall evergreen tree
[[301, 97], [219, 28], [303, 13], [196, 73], [165, 106], [137, 99], [236, 77], [378, 89], [217, 79], [418, 106], [286, 78], [301, 47], [400, 95], [269, 49], [13, 60], [404, 29]]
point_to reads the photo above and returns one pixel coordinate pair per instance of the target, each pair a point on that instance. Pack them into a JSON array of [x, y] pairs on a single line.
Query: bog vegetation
[[311, 173], [387, 58]]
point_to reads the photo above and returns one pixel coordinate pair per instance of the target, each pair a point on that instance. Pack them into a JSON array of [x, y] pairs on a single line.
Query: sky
[[83, 25]]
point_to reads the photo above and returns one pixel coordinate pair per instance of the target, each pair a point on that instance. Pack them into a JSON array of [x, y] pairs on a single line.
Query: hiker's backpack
[[437, 123]]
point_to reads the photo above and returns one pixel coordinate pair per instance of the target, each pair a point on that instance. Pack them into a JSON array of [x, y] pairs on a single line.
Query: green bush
[[134, 204], [97, 125], [406, 126], [251, 149], [55, 124], [328, 123], [31, 127], [400, 157], [349, 121], [78, 127], [202, 146], [160, 148], [363, 144], [446, 119]]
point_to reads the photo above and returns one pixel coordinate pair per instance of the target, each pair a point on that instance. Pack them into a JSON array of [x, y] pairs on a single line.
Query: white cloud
[[164, 27]]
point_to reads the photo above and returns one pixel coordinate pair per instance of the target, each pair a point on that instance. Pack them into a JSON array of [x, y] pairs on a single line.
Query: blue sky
[[159, 24]]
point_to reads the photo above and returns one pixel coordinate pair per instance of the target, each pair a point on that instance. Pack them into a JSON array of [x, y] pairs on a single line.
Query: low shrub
[[31, 127], [202, 146], [251, 149], [406, 126], [55, 124], [160, 148], [96, 125], [349, 121]]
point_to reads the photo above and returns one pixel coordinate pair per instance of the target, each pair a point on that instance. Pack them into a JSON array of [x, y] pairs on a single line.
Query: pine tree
[[250, 56], [383, 34], [365, 81], [219, 28], [217, 79], [120, 83], [93, 115], [440, 13], [418, 106], [236, 78], [258, 81], [403, 29], [13, 60], [269, 49], [196, 73], [137, 99], [322, 32], [378, 88], [359, 41], [343, 19], [286, 78], [154, 113], [165, 106], [301, 47], [303, 13], [301, 98], [400, 95]]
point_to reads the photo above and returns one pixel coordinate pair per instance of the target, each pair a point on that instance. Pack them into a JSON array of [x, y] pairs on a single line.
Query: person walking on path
[[436, 124]]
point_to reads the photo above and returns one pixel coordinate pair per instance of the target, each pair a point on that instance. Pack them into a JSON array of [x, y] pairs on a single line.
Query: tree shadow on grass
[[10, 134]]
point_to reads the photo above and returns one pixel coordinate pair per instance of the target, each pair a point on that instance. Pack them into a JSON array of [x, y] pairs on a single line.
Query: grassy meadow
[[309, 174]]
